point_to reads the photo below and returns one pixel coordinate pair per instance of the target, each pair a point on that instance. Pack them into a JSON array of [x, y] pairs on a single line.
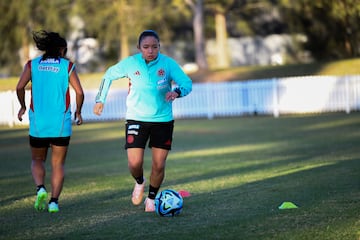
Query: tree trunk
[[25, 47], [124, 43], [199, 39], [124, 37], [221, 41]]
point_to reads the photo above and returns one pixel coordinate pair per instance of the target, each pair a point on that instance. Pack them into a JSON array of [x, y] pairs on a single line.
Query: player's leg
[[38, 171], [136, 134], [160, 143], [39, 148], [135, 161], [59, 147], [58, 157], [159, 156], [135, 165]]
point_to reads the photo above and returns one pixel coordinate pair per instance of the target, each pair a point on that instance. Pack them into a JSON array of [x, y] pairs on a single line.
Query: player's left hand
[[78, 118], [21, 113], [170, 96]]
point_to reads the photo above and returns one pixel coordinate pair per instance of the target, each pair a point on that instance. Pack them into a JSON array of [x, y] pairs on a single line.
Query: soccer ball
[[168, 203]]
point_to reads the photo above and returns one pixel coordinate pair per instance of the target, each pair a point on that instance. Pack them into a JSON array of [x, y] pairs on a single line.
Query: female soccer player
[[49, 113], [149, 109]]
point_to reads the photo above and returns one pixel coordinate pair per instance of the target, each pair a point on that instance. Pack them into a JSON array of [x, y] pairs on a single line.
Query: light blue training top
[[148, 85], [49, 112]]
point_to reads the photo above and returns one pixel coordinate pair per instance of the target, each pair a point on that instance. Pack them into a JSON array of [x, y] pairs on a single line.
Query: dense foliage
[[331, 27]]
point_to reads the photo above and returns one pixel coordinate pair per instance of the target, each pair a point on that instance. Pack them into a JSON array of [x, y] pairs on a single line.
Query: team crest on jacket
[[137, 73], [161, 72]]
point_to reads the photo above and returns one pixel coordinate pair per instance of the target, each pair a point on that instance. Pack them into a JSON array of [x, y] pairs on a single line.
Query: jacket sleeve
[[183, 82], [115, 72]]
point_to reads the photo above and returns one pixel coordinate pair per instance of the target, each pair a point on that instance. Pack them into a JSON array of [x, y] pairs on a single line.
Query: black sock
[[140, 179], [153, 191], [55, 200], [40, 186]]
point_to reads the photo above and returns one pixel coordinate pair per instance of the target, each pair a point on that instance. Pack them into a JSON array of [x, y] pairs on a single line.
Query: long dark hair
[[50, 43]]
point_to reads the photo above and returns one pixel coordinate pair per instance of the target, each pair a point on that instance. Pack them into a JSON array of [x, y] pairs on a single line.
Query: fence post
[[209, 102], [347, 94], [275, 97]]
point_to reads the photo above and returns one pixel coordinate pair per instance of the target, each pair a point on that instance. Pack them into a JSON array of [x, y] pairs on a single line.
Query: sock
[[153, 191], [55, 200], [140, 179], [40, 186]]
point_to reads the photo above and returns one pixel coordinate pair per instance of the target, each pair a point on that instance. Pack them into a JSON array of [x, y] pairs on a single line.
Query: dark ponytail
[[50, 43]]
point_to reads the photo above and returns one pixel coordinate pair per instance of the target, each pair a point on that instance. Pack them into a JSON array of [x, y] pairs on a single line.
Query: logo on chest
[[162, 83], [161, 72]]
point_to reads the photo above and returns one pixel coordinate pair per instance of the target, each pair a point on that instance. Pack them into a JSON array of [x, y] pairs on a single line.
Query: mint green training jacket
[[148, 85]]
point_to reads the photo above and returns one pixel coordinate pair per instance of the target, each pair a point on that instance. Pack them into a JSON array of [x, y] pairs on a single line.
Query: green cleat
[[53, 207], [40, 202]]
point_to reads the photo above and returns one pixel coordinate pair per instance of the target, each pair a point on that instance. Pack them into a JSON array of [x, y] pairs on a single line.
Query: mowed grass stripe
[[238, 170]]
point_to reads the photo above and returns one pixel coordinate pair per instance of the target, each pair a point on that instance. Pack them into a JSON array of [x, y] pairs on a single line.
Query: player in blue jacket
[[149, 115], [49, 112]]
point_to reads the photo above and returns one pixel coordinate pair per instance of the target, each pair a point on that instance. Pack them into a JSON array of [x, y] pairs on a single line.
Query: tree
[[119, 22], [14, 36], [19, 19], [255, 17], [198, 27], [347, 13], [220, 9], [330, 26]]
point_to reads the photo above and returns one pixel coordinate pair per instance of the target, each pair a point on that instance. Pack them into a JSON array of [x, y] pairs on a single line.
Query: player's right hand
[[98, 108]]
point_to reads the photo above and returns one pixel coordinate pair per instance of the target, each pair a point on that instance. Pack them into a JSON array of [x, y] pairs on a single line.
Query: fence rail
[[311, 94]]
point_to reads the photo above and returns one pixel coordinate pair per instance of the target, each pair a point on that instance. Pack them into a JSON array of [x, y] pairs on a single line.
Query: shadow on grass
[[247, 211], [235, 194], [327, 196]]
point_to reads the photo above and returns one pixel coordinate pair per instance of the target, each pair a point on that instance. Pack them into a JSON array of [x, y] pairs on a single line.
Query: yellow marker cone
[[287, 205]]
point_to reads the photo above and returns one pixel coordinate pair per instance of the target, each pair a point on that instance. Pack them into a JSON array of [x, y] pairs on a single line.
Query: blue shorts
[[36, 142], [159, 134]]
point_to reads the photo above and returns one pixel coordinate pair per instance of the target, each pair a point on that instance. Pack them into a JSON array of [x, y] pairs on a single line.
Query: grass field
[[238, 170]]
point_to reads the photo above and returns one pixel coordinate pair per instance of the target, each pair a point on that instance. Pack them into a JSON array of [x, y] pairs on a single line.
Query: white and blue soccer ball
[[168, 203]]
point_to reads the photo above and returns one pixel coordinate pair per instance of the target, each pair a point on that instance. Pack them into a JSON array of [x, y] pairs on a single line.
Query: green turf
[[238, 170]]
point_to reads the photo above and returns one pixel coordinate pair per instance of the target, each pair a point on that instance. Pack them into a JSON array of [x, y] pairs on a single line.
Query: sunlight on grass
[[222, 150], [234, 172], [92, 132], [86, 191], [83, 191], [294, 168], [95, 138], [341, 67], [22, 203], [236, 179], [11, 180], [331, 124]]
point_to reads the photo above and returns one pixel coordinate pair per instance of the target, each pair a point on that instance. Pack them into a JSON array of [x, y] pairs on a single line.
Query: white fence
[[314, 94]]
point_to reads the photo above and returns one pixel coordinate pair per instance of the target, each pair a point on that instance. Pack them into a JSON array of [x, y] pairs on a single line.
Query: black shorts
[[46, 142], [138, 133]]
